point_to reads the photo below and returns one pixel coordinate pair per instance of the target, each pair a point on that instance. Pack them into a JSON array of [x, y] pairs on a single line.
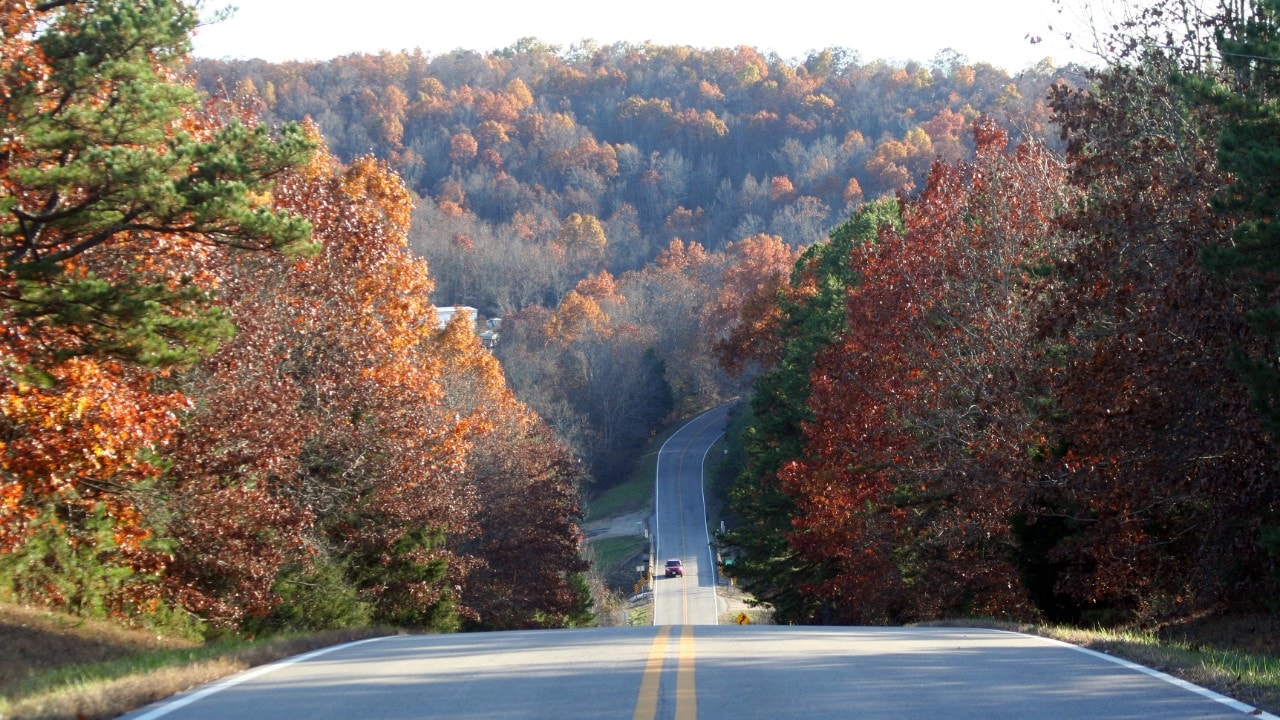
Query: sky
[[993, 31]]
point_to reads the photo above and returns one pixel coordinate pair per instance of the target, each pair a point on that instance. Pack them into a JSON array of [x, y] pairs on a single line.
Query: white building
[[444, 315]]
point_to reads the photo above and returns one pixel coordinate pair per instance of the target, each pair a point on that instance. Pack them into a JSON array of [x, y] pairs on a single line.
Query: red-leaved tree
[[905, 494]]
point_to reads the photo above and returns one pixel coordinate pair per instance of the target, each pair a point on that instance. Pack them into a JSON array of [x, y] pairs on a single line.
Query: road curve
[[722, 672], [680, 524]]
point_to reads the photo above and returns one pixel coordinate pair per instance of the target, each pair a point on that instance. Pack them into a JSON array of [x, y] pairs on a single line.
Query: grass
[[756, 616], [633, 495], [610, 552], [636, 492], [57, 666], [1252, 678], [614, 561], [639, 616]]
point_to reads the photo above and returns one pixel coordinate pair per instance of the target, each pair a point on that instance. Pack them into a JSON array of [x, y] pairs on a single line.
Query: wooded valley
[[1005, 341], [667, 178]]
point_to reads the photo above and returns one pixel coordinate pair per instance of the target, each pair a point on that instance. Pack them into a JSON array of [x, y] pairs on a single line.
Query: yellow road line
[[647, 702], [684, 596], [686, 690], [650, 683]]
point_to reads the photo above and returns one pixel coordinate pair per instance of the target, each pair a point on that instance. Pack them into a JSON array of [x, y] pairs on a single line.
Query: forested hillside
[[710, 146], [647, 173]]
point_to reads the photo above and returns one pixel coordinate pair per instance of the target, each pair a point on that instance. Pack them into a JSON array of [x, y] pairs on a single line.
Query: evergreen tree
[[109, 167], [1249, 149]]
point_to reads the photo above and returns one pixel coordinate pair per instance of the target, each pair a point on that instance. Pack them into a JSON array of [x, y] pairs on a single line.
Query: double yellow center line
[[650, 684]]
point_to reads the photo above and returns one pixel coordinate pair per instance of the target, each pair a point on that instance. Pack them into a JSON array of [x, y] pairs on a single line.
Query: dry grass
[[59, 667], [37, 641], [737, 602], [110, 698]]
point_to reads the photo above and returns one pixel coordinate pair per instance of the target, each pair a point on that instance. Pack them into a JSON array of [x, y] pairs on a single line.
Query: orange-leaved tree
[[523, 543], [347, 453], [330, 402], [745, 316], [119, 190]]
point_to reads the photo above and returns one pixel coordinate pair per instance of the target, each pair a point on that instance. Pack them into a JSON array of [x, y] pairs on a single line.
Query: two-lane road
[[680, 525], [725, 672]]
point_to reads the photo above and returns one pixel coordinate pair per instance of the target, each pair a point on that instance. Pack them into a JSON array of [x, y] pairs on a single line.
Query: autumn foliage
[[386, 433], [900, 499], [1026, 377], [1042, 396], [540, 167], [224, 389]]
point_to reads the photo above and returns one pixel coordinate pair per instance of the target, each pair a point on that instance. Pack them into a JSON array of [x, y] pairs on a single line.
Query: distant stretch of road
[[711, 672], [680, 525]]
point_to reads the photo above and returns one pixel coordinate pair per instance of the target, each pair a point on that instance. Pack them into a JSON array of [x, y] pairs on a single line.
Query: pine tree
[[110, 164], [1249, 149]]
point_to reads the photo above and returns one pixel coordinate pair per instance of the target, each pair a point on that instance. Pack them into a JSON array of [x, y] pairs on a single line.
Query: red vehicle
[[675, 568]]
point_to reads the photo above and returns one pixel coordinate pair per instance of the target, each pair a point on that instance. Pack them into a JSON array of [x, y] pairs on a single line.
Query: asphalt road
[[680, 525], [684, 672]]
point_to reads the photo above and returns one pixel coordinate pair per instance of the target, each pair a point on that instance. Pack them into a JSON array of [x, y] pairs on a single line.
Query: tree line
[[710, 146], [225, 400], [1043, 387]]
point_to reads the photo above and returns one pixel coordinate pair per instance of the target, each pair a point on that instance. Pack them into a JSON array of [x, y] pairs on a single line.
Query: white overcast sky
[[993, 31]]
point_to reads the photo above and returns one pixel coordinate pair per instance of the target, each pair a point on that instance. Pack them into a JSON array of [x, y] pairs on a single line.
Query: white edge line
[[653, 542], [186, 700], [657, 473], [711, 553], [1179, 682]]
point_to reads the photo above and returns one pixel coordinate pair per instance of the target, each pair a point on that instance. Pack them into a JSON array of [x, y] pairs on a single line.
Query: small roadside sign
[[742, 619]]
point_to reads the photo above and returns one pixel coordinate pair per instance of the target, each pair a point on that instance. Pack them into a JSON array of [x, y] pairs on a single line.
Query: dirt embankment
[[628, 524]]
